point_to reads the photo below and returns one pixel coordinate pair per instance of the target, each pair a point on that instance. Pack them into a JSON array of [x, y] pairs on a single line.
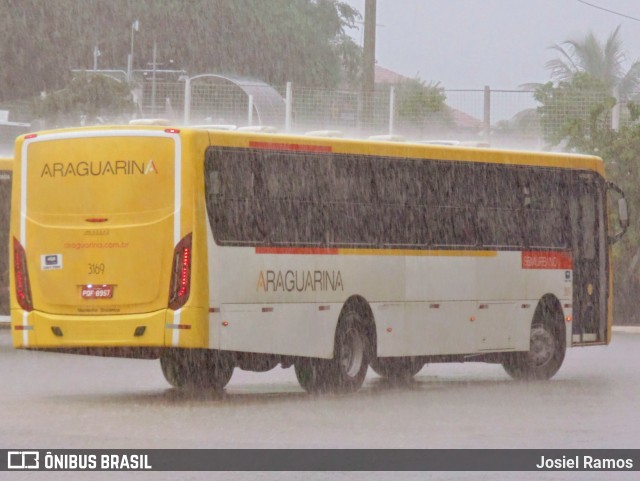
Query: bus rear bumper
[[41, 330]]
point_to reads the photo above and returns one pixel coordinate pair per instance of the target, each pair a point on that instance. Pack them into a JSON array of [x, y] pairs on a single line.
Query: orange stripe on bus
[[374, 252], [291, 147], [417, 252], [297, 250]]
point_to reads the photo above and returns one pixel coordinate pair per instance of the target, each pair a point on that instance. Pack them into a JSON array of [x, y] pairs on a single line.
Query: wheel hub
[[542, 346], [352, 353]]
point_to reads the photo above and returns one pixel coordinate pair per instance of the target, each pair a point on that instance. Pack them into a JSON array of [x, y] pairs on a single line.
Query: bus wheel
[[546, 349], [397, 368], [196, 368], [348, 368], [313, 374]]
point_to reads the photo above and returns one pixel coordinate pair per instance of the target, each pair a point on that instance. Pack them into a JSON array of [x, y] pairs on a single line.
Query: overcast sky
[[466, 44]]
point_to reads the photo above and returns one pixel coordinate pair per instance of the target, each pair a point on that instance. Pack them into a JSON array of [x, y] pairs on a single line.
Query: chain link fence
[[502, 118]]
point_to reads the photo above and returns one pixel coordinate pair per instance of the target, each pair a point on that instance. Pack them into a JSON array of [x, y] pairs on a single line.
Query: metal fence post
[[187, 101], [486, 120], [288, 108], [250, 113], [392, 108]]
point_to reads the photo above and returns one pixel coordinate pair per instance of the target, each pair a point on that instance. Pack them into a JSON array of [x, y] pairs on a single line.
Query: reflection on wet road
[[65, 401]]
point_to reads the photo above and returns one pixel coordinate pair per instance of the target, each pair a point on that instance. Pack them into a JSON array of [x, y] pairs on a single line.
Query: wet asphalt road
[[60, 401]]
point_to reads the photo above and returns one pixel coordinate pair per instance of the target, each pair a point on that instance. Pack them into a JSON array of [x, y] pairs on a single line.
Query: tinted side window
[[294, 187], [401, 207], [294, 198], [546, 208], [500, 220], [232, 189], [452, 203], [350, 203]]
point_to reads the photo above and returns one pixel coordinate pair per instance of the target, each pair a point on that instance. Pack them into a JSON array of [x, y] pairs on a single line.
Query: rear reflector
[[23, 328], [178, 326]]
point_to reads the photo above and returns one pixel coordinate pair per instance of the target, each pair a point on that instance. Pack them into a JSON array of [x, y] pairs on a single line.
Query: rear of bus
[[6, 166], [102, 241]]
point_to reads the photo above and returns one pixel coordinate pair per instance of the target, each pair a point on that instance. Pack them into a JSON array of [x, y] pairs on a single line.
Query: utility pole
[[153, 77], [135, 27], [368, 62]]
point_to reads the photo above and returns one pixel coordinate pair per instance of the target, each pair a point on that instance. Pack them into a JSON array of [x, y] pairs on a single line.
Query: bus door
[[589, 261]]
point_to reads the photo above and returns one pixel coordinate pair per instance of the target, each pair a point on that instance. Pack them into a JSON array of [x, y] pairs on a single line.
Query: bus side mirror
[[623, 213]]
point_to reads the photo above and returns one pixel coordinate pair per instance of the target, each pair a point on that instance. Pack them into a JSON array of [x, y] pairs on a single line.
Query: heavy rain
[[320, 224]]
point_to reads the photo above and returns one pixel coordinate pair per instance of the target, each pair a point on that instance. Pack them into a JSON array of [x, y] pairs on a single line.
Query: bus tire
[[312, 374], [196, 368], [547, 346], [396, 368], [348, 368]]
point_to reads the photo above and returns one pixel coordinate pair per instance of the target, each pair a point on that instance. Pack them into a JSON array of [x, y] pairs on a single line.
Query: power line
[[610, 11]]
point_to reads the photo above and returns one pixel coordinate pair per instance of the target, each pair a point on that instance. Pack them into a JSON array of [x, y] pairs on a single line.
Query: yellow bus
[[6, 167], [212, 250]]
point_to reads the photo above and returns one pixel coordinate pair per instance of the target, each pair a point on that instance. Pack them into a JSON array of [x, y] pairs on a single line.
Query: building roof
[[386, 76], [461, 119]]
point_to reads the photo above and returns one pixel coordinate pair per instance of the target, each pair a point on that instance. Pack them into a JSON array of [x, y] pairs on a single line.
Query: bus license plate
[[93, 291]]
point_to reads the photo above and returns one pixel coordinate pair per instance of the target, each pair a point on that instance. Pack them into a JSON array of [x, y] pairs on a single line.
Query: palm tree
[[604, 62]]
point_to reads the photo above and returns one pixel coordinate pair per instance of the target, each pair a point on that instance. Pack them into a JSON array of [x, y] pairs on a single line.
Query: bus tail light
[[180, 274], [23, 287]]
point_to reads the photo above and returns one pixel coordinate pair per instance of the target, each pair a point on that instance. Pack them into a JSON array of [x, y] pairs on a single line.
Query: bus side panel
[[456, 304], [188, 327], [250, 317]]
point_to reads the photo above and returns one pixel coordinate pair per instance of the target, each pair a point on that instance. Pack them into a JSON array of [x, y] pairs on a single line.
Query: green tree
[[417, 101], [576, 113], [622, 161], [94, 97], [602, 61], [276, 41]]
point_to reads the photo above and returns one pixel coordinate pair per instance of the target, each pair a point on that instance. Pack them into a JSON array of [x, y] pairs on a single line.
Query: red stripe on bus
[[547, 260], [297, 250], [291, 147]]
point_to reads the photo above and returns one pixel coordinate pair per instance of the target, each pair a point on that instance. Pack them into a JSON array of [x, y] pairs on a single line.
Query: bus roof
[[413, 150], [376, 148]]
